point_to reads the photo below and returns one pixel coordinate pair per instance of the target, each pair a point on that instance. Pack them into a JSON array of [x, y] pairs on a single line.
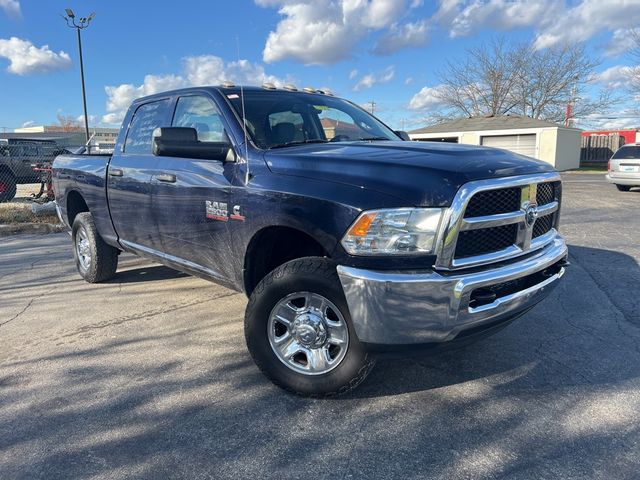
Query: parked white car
[[624, 167]]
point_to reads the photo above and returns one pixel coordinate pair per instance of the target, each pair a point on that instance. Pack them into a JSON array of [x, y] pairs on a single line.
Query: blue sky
[[382, 50]]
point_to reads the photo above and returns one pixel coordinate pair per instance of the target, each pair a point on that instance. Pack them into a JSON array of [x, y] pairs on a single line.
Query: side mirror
[[403, 135], [183, 142]]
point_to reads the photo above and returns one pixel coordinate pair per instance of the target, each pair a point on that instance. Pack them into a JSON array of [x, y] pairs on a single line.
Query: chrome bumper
[[396, 308]]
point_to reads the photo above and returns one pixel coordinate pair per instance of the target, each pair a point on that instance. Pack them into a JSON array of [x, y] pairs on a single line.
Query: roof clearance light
[[309, 89], [228, 84], [268, 86], [291, 87]]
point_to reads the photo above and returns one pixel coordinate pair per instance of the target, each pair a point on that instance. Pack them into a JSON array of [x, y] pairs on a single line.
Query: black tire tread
[[623, 188], [317, 266]]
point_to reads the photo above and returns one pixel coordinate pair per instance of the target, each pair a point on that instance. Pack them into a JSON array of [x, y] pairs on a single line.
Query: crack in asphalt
[[27, 306]]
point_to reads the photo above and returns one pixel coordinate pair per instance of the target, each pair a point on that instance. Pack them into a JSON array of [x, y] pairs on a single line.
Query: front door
[[192, 198]]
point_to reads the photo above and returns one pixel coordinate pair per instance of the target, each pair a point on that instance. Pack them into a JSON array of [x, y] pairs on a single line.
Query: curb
[[25, 228]]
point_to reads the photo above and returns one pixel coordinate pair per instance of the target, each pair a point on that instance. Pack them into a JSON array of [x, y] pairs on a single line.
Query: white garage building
[[559, 146]]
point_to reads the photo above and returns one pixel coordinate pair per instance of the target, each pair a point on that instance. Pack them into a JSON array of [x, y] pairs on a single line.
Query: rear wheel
[[96, 261], [8, 186], [299, 331], [623, 188]]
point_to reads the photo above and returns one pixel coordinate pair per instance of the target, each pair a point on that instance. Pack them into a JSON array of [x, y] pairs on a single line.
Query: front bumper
[[400, 308], [629, 179]]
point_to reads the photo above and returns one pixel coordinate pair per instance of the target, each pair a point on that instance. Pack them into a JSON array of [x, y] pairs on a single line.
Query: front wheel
[[623, 188], [96, 261], [299, 332]]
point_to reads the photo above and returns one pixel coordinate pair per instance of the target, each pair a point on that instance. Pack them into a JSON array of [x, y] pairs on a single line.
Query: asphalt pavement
[[147, 376]]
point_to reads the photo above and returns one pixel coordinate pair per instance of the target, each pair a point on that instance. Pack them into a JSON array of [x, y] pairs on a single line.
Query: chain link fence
[[25, 180]]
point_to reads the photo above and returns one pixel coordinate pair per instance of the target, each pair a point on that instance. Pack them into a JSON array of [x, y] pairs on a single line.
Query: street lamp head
[[69, 13], [93, 14]]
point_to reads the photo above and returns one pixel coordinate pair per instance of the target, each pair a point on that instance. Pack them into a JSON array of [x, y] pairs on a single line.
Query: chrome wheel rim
[[308, 333], [83, 248]]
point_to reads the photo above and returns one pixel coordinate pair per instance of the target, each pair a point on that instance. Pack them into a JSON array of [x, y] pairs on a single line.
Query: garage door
[[523, 144]]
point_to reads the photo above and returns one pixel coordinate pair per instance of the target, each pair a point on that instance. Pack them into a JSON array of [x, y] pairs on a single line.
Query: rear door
[[129, 178], [192, 198]]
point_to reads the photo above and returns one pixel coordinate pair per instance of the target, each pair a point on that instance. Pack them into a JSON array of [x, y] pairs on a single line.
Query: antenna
[[244, 121]]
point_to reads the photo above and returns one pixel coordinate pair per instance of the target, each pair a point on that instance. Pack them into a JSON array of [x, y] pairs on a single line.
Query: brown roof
[[501, 122]]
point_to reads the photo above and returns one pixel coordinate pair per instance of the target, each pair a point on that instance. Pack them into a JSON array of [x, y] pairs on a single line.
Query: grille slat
[[486, 240], [542, 226], [492, 202], [546, 193]]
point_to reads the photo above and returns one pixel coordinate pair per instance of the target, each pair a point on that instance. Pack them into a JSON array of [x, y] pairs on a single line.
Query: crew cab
[[347, 239]]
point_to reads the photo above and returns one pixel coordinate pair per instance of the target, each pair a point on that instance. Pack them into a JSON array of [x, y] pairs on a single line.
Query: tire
[[96, 261], [315, 279], [623, 188], [8, 186]]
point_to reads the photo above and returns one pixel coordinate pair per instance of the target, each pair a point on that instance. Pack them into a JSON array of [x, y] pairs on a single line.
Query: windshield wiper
[[299, 142], [367, 139]]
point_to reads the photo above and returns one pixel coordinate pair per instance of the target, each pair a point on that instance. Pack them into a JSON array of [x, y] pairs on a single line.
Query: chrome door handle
[[166, 177], [115, 172]]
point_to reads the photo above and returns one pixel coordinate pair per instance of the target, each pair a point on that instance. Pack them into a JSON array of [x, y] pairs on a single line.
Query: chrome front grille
[[493, 220]]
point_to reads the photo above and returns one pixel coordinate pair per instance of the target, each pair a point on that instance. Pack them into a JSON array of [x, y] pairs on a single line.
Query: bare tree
[[67, 123], [634, 56], [505, 78]]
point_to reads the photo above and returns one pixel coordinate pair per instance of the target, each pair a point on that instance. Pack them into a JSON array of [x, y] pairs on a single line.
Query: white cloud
[[591, 16], [25, 58], [369, 80], [326, 31], [28, 123], [399, 37], [197, 70], [353, 74], [554, 22], [92, 119], [465, 17], [622, 41], [408, 80], [617, 76], [11, 7], [427, 99]]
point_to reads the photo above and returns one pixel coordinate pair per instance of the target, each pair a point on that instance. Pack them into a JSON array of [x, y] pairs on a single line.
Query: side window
[[200, 113], [147, 118]]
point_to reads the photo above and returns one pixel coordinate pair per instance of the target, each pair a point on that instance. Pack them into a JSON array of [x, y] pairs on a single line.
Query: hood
[[418, 173]]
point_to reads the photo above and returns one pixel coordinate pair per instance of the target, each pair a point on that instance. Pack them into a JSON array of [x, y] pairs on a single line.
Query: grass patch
[[12, 213]]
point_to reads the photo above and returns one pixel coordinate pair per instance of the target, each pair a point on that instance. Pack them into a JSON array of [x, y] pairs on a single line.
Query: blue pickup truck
[[348, 239]]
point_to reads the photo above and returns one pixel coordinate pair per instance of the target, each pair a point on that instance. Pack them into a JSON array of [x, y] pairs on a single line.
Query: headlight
[[398, 231]]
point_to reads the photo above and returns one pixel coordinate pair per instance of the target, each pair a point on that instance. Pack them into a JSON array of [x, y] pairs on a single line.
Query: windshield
[[278, 119], [627, 152]]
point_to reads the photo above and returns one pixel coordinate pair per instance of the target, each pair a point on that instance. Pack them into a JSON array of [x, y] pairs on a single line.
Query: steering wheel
[[340, 138]]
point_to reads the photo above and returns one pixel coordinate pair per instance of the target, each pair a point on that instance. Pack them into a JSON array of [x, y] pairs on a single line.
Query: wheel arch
[[273, 246], [75, 204]]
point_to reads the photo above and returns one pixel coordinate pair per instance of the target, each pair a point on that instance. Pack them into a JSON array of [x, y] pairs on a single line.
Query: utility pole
[[83, 23], [373, 106]]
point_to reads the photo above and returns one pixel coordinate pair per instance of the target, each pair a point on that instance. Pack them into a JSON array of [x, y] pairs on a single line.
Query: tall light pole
[[81, 24]]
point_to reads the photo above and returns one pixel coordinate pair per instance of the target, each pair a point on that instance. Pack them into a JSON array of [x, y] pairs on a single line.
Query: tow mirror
[[403, 135], [183, 142]]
